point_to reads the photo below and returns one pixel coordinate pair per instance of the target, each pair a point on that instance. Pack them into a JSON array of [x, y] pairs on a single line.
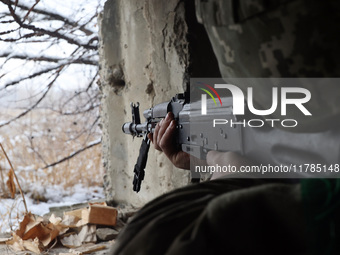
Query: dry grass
[[8, 215], [44, 137]]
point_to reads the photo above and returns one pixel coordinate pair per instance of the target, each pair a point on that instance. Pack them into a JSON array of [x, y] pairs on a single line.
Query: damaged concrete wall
[[144, 58]]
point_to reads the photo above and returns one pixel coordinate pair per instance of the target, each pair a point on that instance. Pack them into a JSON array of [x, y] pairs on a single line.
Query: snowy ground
[[11, 210], [76, 181]]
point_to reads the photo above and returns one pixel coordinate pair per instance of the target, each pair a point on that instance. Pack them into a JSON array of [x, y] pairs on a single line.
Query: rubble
[[106, 234], [75, 232]]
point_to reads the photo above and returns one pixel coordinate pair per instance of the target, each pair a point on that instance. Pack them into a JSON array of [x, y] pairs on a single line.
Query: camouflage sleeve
[[278, 38]]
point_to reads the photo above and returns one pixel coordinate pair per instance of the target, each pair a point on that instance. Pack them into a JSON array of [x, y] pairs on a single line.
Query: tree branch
[[55, 16], [30, 9], [49, 59], [36, 103], [25, 36], [54, 34], [73, 154], [33, 75]]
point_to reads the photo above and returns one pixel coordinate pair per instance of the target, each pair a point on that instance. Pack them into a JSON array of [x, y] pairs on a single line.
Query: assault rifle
[[197, 135]]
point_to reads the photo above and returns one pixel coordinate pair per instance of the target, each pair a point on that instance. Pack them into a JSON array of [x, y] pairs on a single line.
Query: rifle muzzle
[[134, 129]]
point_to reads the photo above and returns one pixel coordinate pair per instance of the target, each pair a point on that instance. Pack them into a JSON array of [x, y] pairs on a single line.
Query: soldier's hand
[[163, 139]]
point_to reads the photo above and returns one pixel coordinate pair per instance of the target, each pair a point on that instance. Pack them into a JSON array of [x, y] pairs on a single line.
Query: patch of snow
[[12, 210]]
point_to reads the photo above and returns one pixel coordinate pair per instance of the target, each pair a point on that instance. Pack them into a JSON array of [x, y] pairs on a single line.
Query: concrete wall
[[143, 57]]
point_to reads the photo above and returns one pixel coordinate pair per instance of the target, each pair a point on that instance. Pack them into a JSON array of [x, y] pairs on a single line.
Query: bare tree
[[41, 47]]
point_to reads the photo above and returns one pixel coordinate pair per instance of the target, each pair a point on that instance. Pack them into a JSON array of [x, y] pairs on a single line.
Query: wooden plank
[[100, 215]]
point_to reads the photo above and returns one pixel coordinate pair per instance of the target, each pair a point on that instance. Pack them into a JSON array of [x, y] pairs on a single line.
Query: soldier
[[252, 38]]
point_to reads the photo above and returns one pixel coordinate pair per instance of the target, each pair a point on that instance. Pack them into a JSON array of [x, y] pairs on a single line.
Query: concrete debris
[[106, 234]]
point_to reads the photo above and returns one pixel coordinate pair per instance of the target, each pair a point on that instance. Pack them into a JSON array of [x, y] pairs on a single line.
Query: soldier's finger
[[150, 136], [155, 136], [163, 126], [166, 142]]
